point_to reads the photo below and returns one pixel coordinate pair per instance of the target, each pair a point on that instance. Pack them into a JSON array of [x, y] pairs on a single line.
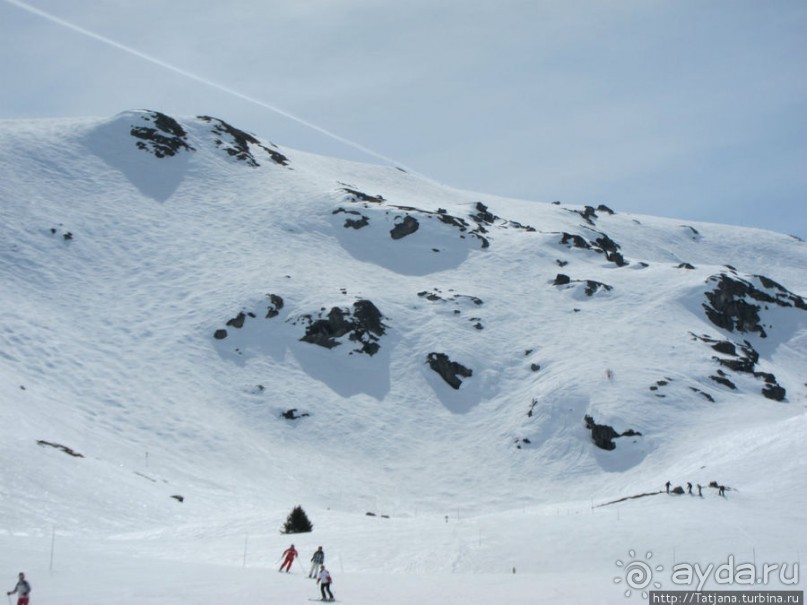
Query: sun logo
[[638, 574]]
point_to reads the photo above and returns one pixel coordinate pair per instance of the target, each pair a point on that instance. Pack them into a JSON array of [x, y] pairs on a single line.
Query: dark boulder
[[483, 215], [450, 371], [774, 391], [406, 227], [293, 415], [593, 287], [275, 305], [603, 435]]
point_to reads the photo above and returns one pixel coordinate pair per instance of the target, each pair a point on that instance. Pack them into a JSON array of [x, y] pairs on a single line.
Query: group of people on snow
[[318, 570], [721, 489]]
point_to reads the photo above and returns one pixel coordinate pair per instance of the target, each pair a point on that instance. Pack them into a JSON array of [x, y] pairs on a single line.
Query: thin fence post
[[245, 551], [52, 545]]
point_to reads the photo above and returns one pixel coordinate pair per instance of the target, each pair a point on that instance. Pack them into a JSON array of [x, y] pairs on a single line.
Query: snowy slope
[[159, 276]]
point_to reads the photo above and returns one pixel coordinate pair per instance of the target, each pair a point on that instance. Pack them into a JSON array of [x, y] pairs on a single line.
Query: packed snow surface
[[172, 385]]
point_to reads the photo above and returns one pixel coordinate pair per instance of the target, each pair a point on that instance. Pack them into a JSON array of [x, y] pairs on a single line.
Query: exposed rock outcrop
[[450, 371], [732, 302], [603, 435], [601, 244], [165, 139], [591, 286], [273, 308], [363, 326], [742, 358], [238, 144]]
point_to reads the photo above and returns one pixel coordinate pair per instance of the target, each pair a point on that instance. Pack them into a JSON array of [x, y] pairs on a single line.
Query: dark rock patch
[[238, 320], [363, 326], [603, 435], [591, 286], [626, 498], [721, 378], [703, 394], [587, 213], [165, 139], [729, 302], [685, 266], [611, 250], [435, 295], [483, 215], [275, 305], [450, 371], [664, 383], [602, 244], [59, 446], [363, 197], [66, 235], [742, 358], [695, 233], [293, 415], [238, 144], [574, 241], [272, 310], [774, 391], [406, 227], [351, 223], [726, 347]]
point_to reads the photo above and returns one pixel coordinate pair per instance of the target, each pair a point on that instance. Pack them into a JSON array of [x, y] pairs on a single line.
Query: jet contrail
[[192, 76]]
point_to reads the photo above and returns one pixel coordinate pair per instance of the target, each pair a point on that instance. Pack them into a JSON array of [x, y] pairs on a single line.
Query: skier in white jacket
[[324, 580]]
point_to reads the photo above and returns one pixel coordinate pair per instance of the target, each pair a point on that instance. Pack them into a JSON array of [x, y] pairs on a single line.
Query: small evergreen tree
[[297, 522]]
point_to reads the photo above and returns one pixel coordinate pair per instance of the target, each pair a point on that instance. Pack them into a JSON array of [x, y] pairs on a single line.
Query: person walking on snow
[[290, 553], [324, 580], [23, 589], [317, 560]]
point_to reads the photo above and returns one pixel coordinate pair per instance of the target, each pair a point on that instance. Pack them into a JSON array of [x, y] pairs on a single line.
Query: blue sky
[[690, 109]]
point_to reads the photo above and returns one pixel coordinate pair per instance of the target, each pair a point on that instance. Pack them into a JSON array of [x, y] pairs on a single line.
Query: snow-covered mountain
[[201, 329]]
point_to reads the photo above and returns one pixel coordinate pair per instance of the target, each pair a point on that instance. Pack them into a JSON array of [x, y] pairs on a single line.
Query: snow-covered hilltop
[[190, 310]]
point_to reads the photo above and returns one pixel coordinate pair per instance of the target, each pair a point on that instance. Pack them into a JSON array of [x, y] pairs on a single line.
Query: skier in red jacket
[[290, 553]]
